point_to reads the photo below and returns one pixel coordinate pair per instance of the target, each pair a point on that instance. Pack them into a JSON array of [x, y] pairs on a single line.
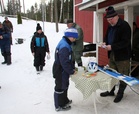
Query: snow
[[25, 92], [85, 1]]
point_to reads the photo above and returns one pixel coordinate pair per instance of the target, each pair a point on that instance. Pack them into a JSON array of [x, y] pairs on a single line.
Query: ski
[[131, 81]]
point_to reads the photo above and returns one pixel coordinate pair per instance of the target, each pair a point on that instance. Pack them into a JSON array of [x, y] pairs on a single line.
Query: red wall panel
[[102, 57], [78, 1], [85, 20]]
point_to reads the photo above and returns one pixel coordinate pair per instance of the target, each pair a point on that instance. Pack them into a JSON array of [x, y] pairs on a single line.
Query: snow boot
[[41, 68], [118, 98], [64, 108], [107, 93], [5, 60], [120, 92], [8, 59], [70, 101], [37, 68]]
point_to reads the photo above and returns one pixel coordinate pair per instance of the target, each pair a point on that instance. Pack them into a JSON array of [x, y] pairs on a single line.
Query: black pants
[[39, 57], [61, 86]]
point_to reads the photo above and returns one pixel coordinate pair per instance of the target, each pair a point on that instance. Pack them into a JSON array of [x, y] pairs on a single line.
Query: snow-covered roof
[[91, 4], [85, 1]]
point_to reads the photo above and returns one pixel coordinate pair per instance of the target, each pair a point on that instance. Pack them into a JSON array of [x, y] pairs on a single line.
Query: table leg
[[94, 100]]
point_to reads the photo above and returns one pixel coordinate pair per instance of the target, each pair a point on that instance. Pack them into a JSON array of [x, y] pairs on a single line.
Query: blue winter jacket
[[63, 56], [5, 33]]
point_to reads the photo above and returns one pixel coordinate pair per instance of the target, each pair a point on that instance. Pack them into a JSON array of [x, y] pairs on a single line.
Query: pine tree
[[19, 19]]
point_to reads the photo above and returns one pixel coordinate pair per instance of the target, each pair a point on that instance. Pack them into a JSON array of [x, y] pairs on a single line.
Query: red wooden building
[[89, 15]]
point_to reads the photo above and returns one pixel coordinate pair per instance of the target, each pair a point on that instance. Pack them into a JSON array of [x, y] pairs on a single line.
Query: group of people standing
[[117, 42], [69, 50]]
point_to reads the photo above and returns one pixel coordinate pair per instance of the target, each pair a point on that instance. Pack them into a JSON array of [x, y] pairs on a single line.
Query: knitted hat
[[110, 12], [71, 32], [69, 21], [38, 27]]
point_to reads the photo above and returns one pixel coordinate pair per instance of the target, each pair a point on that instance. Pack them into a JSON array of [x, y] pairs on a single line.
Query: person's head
[[134, 26], [71, 33], [39, 28], [69, 23], [111, 16], [6, 18]]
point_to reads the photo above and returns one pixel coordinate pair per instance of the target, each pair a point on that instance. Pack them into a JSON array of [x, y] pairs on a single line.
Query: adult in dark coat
[[77, 46], [118, 43], [10, 26], [62, 69], [39, 46], [5, 44]]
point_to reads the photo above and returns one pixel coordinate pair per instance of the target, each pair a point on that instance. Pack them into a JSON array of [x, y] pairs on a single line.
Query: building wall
[[85, 20]]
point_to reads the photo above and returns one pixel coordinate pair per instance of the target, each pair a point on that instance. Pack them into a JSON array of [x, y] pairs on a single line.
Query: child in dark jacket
[[62, 69], [39, 47]]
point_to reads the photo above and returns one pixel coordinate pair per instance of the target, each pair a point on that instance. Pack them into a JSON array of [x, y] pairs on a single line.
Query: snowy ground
[[25, 92]]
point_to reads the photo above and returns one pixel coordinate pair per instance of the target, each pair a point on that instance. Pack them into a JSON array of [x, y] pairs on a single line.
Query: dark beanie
[[69, 21], [110, 12], [38, 27]]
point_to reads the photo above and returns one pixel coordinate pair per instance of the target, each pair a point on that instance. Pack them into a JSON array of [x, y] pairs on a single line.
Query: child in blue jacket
[[62, 69]]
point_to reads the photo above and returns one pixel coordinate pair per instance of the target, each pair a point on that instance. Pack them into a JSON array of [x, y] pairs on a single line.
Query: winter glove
[[1, 37], [33, 53], [48, 56], [75, 72]]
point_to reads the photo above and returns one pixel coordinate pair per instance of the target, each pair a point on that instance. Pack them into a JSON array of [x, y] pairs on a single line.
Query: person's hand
[[108, 47], [75, 72], [11, 30], [103, 45], [1, 37], [48, 56]]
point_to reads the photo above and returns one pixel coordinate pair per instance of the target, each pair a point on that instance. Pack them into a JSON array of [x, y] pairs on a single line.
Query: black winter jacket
[[121, 45], [39, 41]]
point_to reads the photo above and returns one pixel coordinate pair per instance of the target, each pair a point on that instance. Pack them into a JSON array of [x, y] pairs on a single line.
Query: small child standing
[[39, 46]]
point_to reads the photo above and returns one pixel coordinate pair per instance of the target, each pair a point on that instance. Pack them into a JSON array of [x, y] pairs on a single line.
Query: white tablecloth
[[88, 85]]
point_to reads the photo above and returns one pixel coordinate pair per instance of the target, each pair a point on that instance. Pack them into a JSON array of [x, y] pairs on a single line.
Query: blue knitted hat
[[71, 32]]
